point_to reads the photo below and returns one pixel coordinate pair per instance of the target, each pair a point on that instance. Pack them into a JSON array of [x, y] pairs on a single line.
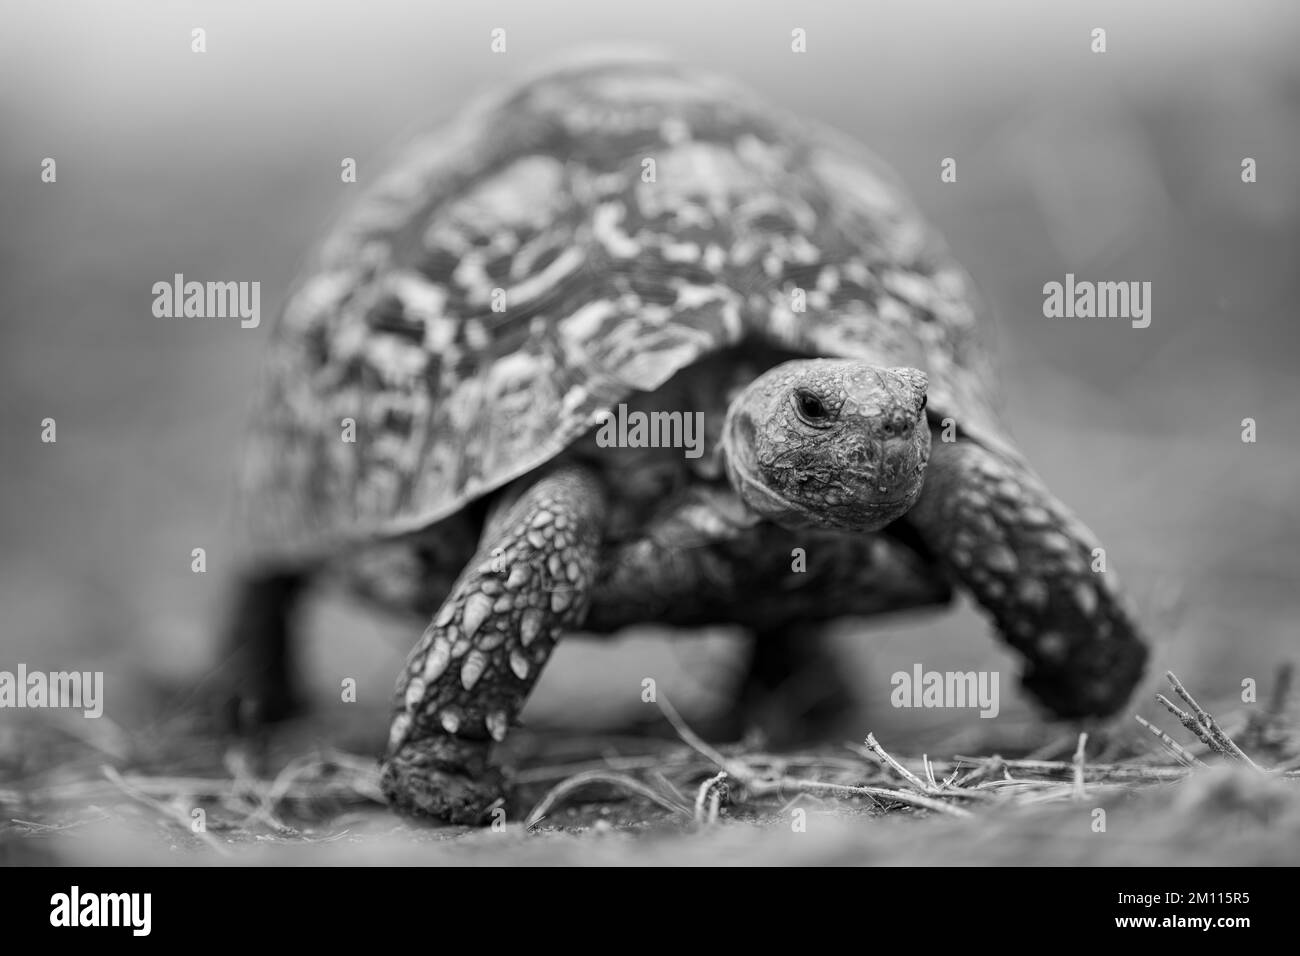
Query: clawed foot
[[443, 778]]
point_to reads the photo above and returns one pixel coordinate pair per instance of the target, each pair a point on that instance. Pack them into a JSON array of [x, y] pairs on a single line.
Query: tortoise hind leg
[[468, 676], [1029, 564], [793, 688], [256, 673]]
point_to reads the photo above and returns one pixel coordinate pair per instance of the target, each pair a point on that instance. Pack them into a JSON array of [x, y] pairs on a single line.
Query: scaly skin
[[468, 676], [854, 461], [695, 565], [1028, 562]]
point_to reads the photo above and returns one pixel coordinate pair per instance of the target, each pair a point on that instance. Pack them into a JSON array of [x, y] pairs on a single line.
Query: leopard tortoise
[[642, 242]]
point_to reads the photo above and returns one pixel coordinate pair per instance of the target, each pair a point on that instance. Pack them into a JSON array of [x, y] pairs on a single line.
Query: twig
[[874, 746], [734, 767], [987, 766], [1226, 743], [577, 781], [1191, 723], [709, 798], [548, 772], [1079, 793], [1096, 770], [54, 827], [899, 796], [1177, 750]]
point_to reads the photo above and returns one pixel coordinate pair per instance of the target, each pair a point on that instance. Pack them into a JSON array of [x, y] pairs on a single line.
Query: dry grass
[[1231, 793]]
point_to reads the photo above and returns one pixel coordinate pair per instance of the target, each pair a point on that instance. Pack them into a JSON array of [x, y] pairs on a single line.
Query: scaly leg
[[468, 676], [1029, 562]]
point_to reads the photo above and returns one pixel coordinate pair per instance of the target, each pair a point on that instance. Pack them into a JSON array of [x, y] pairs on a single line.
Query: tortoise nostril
[[896, 424]]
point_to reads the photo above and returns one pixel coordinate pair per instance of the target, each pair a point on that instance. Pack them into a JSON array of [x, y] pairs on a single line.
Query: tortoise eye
[[811, 408]]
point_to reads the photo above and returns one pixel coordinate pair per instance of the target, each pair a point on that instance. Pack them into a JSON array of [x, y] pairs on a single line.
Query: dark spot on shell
[[389, 315], [438, 265], [545, 259]]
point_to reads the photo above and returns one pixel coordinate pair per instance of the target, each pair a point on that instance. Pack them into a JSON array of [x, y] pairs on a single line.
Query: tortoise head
[[829, 443]]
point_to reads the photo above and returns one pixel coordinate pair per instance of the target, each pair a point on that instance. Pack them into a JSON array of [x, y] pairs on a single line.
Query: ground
[[608, 801]]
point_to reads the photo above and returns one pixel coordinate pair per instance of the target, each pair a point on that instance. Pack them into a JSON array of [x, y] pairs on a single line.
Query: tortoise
[[482, 403]]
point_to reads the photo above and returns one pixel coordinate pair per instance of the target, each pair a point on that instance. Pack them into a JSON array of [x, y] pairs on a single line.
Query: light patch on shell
[[828, 279], [511, 373], [464, 405], [693, 217], [799, 249], [586, 322], [527, 193], [690, 296], [476, 334], [420, 298], [681, 251], [744, 251], [911, 287], [564, 265], [771, 158], [674, 130], [697, 173], [653, 363], [317, 298], [715, 257], [472, 276], [605, 230]]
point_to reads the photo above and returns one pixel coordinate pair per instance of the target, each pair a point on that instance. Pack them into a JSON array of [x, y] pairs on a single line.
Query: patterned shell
[[585, 237]]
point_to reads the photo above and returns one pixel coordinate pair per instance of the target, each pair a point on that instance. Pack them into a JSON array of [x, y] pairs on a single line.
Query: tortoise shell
[[585, 237]]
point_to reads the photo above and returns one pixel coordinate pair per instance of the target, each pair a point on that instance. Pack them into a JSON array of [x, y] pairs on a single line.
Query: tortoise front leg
[[1029, 563], [468, 677]]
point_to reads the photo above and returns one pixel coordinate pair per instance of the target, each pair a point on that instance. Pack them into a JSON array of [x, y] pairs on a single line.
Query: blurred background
[[1122, 166]]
